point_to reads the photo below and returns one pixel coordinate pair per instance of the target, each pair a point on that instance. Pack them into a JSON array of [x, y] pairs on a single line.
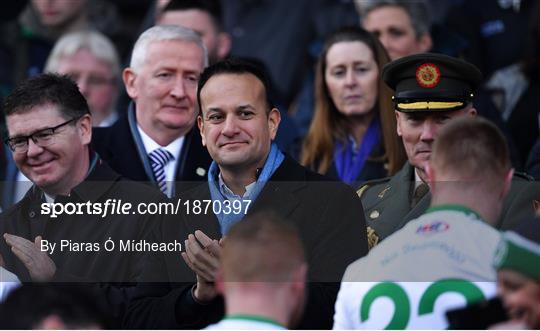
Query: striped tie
[[159, 158]]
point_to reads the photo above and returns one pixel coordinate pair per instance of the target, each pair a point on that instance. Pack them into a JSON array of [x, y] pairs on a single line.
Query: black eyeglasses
[[41, 138]]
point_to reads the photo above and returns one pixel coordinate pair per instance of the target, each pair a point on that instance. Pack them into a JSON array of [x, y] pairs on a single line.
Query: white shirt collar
[[229, 193], [48, 198], [150, 145], [109, 120], [417, 180]]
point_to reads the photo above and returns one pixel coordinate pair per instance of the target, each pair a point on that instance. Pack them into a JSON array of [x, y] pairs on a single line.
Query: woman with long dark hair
[[352, 136]]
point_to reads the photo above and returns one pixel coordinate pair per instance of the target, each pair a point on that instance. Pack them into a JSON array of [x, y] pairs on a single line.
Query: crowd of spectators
[[323, 115]]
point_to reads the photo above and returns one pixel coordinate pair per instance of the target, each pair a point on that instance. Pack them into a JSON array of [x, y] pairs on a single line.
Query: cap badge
[[428, 75]]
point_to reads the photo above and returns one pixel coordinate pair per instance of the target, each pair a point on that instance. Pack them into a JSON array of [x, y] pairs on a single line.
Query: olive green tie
[[419, 193]]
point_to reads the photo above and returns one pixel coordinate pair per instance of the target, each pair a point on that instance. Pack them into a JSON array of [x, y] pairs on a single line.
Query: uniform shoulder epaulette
[[371, 183], [373, 238], [524, 176]]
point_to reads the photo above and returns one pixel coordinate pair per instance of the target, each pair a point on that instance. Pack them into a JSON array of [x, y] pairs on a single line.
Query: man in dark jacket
[[157, 141], [249, 174], [70, 225]]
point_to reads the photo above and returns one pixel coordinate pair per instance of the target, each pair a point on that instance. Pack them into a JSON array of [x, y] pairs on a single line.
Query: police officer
[[430, 89]]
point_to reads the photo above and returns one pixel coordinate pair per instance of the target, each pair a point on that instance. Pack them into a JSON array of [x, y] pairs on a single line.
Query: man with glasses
[[49, 129], [91, 60]]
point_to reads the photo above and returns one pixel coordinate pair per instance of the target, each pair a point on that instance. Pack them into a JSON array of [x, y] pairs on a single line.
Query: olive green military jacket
[[387, 203]]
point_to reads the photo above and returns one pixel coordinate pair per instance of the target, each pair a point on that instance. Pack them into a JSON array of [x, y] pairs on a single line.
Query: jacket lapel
[[278, 194], [417, 211], [396, 202], [193, 162], [117, 147]]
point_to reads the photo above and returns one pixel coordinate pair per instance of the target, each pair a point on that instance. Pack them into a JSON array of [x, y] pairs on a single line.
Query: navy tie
[[159, 159]]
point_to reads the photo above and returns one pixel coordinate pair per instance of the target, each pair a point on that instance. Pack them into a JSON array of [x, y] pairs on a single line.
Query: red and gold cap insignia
[[428, 75]]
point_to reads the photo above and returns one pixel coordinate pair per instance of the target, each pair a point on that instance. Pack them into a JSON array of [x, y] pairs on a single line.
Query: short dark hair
[[472, 146], [47, 88], [235, 66], [419, 12], [76, 305], [212, 7], [262, 247]]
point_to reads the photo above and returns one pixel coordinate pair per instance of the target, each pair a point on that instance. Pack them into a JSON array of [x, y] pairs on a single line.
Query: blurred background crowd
[[92, 40]]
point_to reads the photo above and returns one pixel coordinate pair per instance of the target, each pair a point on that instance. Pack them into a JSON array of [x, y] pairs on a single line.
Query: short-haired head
[[471, 148], [212, 7], [47, 88], [519, 249], [262, 248], [54, 306], [235, 66], [418, 11], [93, 41], [163, 33]]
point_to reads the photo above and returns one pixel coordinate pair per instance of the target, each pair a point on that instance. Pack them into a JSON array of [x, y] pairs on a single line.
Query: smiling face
[[351, 77], [521, 297], [420, 129], [164, 87], [235, 125], [60, 166]]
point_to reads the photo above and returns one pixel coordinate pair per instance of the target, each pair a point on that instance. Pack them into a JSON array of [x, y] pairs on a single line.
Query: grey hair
[[162, 33], [96, 43], [418, 11]]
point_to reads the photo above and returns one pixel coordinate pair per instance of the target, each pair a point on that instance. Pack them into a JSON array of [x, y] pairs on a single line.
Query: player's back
[[439, 261]]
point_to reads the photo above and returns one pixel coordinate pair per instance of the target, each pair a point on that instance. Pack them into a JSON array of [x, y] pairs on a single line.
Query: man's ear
[[507, 183], [302, 273], [85, 129], [129, 77], [297, 281], [274, 118], [224, 45], [398, 123], [200, 124], [430, 173], [425, 43], [219, 282], [472, 111]]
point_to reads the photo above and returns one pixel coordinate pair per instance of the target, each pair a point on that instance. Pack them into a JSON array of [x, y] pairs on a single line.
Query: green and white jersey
[[440, 261], [245, 322]]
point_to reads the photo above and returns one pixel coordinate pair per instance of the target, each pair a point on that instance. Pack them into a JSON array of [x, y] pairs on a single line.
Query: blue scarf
[[226, 221], [349, 161]]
